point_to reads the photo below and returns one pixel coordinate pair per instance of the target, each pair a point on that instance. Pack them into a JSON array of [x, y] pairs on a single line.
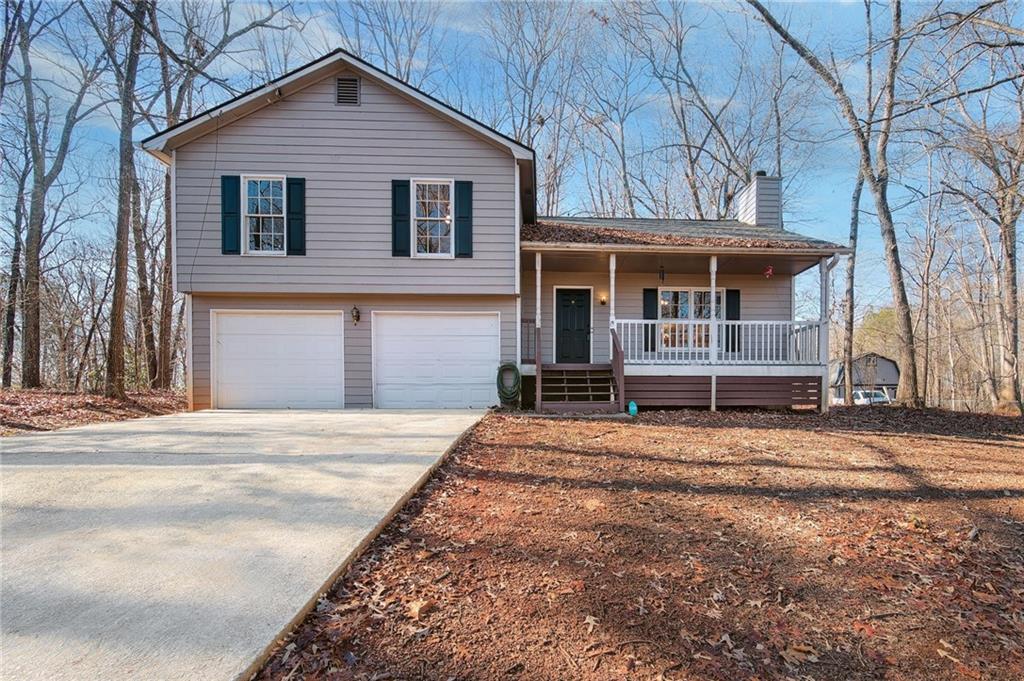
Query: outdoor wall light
[[604, 299], [355, 314], [661, 274]]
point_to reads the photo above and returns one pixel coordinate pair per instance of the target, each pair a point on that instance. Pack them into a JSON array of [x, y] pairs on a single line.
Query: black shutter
[[296, 219], [650, 312], [400, 222], [732, 313], [230, 214], [463, 219]]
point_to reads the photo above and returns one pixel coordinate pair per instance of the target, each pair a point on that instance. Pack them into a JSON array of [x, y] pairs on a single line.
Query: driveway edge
[[250, 672]]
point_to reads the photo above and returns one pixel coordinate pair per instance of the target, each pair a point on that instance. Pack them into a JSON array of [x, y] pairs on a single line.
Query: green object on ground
[[509, 394]]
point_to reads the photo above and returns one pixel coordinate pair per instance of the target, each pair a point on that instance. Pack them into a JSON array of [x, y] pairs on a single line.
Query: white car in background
[[866, 397]]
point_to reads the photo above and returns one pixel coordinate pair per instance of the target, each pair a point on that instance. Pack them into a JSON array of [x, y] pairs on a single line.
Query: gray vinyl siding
[[760, 202], [349, 156], [357, 339], [761, 299]]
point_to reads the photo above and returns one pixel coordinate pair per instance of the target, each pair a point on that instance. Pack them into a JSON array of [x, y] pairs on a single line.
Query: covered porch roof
[[681, 262], [644, 245]]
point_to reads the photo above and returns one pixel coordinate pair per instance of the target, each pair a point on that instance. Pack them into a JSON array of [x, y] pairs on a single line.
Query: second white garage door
[[435, 360]]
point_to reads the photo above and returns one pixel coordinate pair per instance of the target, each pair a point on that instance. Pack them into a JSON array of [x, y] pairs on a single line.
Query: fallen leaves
[[694, 545], [863, 629], [421, 606], [27, 411], [798, 653]]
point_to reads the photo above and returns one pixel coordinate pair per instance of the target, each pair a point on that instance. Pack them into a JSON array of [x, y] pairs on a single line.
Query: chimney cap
[[761, 173]]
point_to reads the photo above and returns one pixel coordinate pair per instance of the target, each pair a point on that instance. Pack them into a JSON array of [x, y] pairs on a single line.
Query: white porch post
[[538, 353], [536, 305], [611, 301], [823, 272], [713, 350]]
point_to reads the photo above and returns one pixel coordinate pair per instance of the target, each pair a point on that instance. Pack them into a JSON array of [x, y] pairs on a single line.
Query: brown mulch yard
[[869, 543], [30, 411]]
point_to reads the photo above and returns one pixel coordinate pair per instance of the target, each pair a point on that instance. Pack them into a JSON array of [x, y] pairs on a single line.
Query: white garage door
[[278, 360], [442, 360]]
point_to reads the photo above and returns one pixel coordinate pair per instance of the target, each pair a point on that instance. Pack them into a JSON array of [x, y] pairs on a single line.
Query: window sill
[[434, 256]]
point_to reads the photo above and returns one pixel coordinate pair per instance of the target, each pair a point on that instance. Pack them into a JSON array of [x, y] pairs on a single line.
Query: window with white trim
[[432, 218], [264, 215], [685, 305]]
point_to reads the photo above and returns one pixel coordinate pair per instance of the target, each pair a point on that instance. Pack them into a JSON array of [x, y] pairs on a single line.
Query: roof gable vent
[[347, 91]]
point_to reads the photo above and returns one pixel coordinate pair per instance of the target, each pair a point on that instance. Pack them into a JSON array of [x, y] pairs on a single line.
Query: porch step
[[577, 383]]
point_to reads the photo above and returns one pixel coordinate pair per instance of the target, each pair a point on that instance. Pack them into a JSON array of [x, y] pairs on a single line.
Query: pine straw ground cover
[[28, 411], [869, 543]]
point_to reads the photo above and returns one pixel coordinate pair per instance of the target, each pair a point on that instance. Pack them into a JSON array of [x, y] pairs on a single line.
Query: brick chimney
[[760, 202]]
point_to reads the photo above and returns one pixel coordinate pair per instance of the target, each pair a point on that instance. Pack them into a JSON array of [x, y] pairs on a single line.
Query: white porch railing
[[738, 342]]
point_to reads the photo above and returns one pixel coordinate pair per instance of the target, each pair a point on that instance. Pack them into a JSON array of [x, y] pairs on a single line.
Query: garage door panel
[[435, 360], [279, 360]]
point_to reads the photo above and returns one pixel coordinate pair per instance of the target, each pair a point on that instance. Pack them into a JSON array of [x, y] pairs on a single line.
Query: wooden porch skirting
[[731, 391]]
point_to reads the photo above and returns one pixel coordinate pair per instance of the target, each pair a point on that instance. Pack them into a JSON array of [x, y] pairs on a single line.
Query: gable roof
[[159, 144], [671, 233], [839, 372]]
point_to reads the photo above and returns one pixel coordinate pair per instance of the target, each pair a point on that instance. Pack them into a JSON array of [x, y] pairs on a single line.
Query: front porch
[[615, 327]]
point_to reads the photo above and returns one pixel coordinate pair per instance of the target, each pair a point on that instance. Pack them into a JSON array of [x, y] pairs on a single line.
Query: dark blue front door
[[572, 326]]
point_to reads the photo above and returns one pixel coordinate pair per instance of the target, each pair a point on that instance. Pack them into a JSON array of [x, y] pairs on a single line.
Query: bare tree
[[983, 142], [874, 168], [48, 144], [536, 47], [849, 311], [16, 171], [187, 44], [403, 37], [613, 92], [122, 42]]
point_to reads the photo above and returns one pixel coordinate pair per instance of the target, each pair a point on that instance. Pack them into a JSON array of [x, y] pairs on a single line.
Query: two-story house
[[345, 240]]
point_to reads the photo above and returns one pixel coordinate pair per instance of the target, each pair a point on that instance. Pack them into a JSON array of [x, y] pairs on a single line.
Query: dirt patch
[[29, 411], [868, 543]]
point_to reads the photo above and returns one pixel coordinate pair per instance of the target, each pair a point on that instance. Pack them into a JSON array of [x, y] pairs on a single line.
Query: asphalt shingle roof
[[659, 232]]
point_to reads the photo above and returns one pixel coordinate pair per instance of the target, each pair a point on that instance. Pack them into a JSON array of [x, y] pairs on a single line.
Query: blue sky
[[819, 196]]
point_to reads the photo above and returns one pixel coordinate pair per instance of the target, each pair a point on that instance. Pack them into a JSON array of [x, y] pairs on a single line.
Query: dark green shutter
[[230, 214], [400, 222], [296, 219], [732, 313], [463, 219], [650, 312]]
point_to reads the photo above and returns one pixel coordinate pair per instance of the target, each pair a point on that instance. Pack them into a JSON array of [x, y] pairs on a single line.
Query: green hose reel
[[509, 394]]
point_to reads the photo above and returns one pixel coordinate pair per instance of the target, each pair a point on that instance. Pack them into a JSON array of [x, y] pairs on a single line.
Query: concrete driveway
[[179, 547]]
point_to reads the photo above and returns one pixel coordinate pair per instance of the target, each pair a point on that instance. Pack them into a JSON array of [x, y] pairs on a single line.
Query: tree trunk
[[1009, 396], [907, 390], [165, 362], [31, 374], [848, 301], [144, 292], [10, 309], [114, 382]]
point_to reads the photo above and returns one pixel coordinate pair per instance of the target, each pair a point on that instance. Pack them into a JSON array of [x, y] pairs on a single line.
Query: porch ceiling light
[[661, 274]]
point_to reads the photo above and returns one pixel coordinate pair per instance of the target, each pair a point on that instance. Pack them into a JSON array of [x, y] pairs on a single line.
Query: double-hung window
[[264, 215], [681, 307], [433, 233]]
